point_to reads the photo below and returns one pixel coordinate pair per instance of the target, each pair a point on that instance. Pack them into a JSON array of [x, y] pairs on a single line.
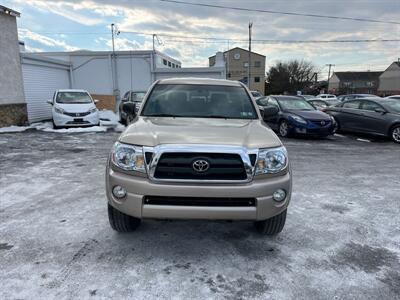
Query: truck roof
[[205, 81]]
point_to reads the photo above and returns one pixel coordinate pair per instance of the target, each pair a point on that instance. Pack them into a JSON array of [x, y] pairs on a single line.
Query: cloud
[[180, 20], [25, 34]]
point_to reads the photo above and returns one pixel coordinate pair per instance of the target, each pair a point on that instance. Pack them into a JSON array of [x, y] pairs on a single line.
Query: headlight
[[128, 157], [92, 110], [332, 119], [298, 119], [271, 161], [58, 110]]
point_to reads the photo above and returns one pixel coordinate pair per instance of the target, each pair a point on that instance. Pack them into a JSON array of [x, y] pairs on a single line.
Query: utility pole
[[112, 38], [249, 63], [329, 75]]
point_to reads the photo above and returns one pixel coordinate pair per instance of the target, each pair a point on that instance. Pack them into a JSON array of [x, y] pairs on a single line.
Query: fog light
[[119, 192], [279, 195]]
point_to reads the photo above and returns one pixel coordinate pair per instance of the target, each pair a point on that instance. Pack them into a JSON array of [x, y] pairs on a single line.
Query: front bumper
[[311, 129], [138, 187], [68, 121]]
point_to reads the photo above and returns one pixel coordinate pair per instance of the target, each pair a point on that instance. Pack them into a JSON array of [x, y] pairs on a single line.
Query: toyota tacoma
[[198, 149]]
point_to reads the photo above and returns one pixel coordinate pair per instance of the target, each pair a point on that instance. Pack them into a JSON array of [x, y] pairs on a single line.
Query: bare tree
[[289, 77]]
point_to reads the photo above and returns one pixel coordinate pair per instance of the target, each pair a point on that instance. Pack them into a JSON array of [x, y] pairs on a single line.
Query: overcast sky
[[71, 25]]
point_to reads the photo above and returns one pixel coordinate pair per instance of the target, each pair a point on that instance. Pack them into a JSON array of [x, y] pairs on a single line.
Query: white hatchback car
[[74, 108]]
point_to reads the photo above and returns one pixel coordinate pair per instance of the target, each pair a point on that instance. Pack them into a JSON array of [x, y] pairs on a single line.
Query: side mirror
[[380, 110], [96, 101], [124, 100], [50, 102], [269, 112], [129, 109]]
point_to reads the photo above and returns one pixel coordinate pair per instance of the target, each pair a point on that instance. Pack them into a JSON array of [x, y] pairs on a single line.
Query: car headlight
[[271, 161], [59, 110], [332, 119], [93, 110], [298, 119], [128, 157]]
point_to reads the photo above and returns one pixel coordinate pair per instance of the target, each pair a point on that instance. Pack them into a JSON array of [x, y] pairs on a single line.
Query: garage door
[[40, 82]]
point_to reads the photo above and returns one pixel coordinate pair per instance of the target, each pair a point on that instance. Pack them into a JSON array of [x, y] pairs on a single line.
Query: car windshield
[[262, 101], [256, 94], [73, 97], [138, 96], [392, 105], [199, 101], [295, 104]]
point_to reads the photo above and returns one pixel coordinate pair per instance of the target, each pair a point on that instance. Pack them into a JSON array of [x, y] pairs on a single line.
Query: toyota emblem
[[200, 165], [322, 123]]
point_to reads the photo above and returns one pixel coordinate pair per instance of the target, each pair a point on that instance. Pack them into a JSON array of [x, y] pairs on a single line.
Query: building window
[[370, 83], [173, 65], [164, 61], [347, 83], [257, 79], [257, 64], [169, 64], [229, 75]]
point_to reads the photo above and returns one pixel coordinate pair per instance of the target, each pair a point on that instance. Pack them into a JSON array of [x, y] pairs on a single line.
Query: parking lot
[[341, 240]]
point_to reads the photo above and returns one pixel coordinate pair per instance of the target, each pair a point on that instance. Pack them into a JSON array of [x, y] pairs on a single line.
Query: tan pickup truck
[[198, 149]]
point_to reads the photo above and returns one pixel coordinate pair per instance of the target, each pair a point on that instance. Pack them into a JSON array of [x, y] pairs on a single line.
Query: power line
[[282, 12], [196, 39]]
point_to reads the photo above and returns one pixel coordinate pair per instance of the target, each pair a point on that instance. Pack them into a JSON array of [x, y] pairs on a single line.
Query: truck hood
[[151, 131]]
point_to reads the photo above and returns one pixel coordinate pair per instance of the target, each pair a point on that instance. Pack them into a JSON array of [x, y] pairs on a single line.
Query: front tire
[[395, 133], [121, 222], [284, 129], [271, 226]]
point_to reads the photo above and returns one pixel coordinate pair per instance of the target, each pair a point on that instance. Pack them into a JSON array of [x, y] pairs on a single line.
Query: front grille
[[78, 122], [76, 114], [321, 123], [222, 166], [199, 201]]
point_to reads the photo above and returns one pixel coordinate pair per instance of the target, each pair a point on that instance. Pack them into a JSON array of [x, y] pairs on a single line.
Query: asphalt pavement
[[341, 239]]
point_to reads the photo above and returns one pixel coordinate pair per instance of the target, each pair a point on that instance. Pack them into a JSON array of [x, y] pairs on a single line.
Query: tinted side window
[[369, 105], [351, 104]]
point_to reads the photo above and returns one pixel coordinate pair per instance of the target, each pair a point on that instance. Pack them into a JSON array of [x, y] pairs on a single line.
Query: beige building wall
[[236, 61]]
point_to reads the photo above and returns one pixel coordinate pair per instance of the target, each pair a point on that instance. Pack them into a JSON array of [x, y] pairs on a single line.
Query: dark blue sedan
[[296, 117]]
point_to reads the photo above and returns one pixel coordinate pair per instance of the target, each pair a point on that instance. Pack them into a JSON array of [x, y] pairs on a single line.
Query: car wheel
[[121, 222], [337, 126], [395, 133], [272, 225], [284, 129], [55, 126]]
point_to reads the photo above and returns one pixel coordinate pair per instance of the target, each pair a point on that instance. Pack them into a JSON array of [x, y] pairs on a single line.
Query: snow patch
[[13, 128], [108, 119]]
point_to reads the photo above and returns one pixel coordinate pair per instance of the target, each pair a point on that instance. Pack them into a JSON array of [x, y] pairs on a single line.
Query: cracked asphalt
[[341, 240]]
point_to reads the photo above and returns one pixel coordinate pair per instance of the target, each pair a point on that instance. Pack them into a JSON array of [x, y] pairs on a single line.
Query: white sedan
[[74, 108]]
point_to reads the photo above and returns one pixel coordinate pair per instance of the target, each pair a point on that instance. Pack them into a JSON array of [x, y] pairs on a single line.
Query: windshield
[[295, 104], [138, 96], [201, 101], [256, 94], [73, 97], [392, 105]]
